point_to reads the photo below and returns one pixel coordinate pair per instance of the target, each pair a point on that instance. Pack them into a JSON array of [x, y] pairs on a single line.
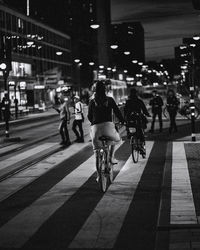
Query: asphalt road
[[57, 204]]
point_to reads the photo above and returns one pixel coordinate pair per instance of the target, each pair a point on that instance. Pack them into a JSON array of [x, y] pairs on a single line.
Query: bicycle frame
[[105, 168]]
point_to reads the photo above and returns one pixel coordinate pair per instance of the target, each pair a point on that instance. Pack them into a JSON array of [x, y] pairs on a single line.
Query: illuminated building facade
[[41, 57]]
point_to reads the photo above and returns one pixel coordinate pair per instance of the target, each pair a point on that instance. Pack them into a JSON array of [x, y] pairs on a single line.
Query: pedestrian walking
[[78, 120], [156, 104], [172, 108], [64, 112]]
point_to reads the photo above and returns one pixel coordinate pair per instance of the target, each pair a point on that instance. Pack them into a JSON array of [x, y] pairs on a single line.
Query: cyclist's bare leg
[[111, 155], [97, 162]]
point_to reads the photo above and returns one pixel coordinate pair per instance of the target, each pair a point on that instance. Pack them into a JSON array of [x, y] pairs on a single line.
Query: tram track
[[30, 161]]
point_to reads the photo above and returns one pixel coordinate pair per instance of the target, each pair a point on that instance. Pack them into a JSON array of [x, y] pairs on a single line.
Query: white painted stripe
[[17, 231], [9, 148], [19, 157], [103, 226], [182, 203], [18, 181]]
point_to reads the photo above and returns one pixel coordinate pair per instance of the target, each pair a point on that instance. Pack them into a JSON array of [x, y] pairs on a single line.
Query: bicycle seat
[[104, 138]]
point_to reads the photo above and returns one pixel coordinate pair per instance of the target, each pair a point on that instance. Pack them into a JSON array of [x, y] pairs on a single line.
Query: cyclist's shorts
[[104, 129]]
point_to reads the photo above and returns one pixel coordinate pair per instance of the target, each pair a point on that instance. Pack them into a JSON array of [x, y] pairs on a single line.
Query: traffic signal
[[196, 4], [4, 65], [5, 53]]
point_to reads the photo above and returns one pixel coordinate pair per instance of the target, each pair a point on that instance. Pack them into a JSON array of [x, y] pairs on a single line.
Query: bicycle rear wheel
[[103, 176], [134, 148]]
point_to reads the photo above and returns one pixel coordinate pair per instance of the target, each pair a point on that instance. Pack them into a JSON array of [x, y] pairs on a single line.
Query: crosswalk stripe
[[103, 226], [9, 148], [18, 230], [19, 157], [13, 234], [18, 181], [182, 203]]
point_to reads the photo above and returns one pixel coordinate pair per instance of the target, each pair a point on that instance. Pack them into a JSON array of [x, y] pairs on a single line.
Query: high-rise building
[[75, 17], [128, 39], [40, 57]]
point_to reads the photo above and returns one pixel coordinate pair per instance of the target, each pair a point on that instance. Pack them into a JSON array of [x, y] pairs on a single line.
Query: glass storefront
[[36, 50]]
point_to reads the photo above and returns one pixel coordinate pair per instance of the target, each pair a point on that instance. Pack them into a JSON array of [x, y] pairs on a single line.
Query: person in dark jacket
[[136, 105], [172, 108], [156, 104], [100, 115], [64, 112]]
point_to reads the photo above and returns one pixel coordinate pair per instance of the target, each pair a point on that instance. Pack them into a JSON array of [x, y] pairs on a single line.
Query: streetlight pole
[[6, 103], [192, 89]]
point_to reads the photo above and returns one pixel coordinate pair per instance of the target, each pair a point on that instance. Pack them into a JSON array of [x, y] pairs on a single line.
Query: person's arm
[[161, 101], [116, 110], [90, 113], [144, 109]]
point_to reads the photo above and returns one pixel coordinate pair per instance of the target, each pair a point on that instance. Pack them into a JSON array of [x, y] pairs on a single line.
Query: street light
[[134, 61], [94, 25], [127, 53], [77, 60], [3, 66], [114, 46], [59, 53], [196, 37]]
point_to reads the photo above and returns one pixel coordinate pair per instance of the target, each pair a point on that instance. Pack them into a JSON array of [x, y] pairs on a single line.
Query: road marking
[[20, 180], [17, 231], [103, 226], [182, 203], [22, 156], [9, 148]]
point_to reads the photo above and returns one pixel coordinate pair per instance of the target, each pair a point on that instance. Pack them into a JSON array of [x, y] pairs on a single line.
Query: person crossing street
[[156, 104], [79, 119]]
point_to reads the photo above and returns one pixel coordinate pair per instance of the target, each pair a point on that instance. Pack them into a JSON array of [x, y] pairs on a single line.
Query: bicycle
[[105, 169], [185, 111], [137, 146]]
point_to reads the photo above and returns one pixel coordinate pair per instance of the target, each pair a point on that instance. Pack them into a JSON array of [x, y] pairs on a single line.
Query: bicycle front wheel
[[134, 148], [103, 179]]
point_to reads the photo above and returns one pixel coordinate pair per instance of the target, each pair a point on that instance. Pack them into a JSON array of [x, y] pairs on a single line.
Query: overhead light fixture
[[183, 47], [109, 68], [30, 43], [94, 25], [101, 67], [140, 63], [193, 45], [134, 61], [114, 46], [91, 63], [127, 53], [76, 60], [125, 71], [59, 53], [196, 37]]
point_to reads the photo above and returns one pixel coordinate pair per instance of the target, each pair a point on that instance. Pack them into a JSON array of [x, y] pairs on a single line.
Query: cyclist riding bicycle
[[133, 106], [100, 112]]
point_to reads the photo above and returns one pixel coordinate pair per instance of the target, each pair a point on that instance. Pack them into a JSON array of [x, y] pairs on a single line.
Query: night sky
[[165, 23]]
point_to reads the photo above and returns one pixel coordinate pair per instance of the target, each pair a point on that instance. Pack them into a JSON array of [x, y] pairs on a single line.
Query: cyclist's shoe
[[113, 161], [143, 152], [97, 178]]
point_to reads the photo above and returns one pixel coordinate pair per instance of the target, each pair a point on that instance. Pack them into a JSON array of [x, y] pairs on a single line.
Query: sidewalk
[[31, 117]]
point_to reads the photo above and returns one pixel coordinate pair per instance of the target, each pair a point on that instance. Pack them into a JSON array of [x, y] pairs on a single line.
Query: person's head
[[170, 93], [154, 93], [133, 93], [100, 90], [76, 98]]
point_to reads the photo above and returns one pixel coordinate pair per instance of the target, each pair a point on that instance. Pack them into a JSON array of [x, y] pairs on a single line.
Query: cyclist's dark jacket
[[172, 104], [134, 105], [156, 103], [102, 112]]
